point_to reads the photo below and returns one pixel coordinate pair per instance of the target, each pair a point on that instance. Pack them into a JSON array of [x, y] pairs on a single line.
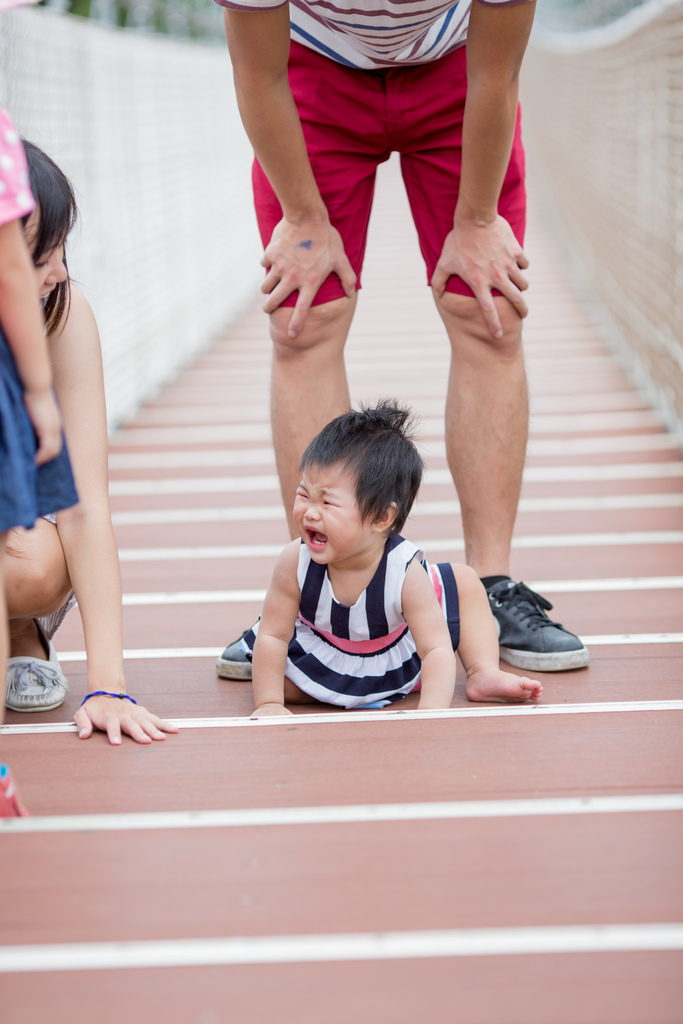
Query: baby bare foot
[[501, 687]]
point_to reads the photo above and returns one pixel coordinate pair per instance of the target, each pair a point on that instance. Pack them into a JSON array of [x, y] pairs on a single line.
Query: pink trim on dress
[[357, 646], [436, 583]]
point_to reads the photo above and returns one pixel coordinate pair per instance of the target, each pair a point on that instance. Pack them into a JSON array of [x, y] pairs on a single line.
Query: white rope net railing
[[604, 112], [147, 129]]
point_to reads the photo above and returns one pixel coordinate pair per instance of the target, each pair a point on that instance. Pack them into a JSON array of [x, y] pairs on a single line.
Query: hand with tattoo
[[299, 258]]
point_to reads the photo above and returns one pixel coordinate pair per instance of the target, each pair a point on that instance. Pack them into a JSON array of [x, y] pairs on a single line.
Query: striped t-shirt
[[376, 33]]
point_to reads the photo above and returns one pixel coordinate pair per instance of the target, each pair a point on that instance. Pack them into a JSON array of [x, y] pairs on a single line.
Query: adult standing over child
[[437, 82]]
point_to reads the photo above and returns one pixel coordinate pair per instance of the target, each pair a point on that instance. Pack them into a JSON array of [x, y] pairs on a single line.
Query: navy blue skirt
[[27, 491]]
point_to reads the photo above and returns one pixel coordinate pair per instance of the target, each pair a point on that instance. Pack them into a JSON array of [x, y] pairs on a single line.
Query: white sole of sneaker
[[233, 670], [560, 661]]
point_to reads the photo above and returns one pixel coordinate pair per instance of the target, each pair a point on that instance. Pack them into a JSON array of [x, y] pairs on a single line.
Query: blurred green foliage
[[194, 19], [579, 14]]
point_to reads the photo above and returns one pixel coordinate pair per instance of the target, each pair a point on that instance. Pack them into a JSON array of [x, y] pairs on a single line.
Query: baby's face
[[327, 515]]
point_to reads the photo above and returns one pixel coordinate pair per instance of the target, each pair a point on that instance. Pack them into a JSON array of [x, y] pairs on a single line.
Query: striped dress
[[360, 655]]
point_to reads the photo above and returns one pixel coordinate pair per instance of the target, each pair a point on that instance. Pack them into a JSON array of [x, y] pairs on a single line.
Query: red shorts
[[353, 120]]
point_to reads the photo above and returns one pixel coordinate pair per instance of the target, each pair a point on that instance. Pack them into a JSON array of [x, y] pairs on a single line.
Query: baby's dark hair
[[377, 446], [57, 213]]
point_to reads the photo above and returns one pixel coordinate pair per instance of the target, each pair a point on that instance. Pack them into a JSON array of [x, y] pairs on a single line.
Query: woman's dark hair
[[377, 446], [57, 213]]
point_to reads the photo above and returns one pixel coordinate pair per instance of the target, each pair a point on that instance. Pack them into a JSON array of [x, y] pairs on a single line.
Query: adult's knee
[[466, 325], [37, 576], [325, 325]]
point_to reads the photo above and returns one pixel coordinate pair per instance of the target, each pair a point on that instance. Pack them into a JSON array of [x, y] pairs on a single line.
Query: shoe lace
[[525, 604], [40, 671]]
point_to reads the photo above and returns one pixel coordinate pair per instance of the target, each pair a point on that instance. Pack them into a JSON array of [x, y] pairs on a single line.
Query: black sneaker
[[528, 638], [233, 662]]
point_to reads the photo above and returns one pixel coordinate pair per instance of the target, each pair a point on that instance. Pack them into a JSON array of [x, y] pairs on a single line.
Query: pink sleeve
[[15, 192]]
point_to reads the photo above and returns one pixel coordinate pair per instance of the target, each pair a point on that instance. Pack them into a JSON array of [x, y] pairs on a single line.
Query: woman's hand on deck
[[114, 716]]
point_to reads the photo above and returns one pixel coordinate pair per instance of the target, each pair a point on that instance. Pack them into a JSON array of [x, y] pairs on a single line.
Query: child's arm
[[24, 327], [274, 633], [86, 533], [432, 639]]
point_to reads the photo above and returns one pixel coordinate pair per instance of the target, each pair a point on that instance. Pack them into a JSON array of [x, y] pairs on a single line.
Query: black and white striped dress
[[354, 656]]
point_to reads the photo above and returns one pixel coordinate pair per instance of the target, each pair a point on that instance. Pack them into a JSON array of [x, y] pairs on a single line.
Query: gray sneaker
[[234, 663], [34, 684], [528, 638]]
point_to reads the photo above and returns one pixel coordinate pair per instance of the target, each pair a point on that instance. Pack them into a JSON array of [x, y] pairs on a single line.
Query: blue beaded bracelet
[[105, 693]]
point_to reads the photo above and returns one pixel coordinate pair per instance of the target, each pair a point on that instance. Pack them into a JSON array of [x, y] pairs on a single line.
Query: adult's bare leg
[[487, 414], [37, 584], [309, 386], [486, 434]]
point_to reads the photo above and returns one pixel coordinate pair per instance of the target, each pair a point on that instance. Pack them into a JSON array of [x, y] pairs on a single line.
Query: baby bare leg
[[293, 695], [478, 648]]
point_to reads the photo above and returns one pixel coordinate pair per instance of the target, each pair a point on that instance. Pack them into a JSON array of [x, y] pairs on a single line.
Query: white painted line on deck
[[252, 409], [580, 540], [194, 597], [190, 554], [429, 448], [598, 360], [547, 377], [559, 540], [565, 503], [569, 474], [170, 516], [342, 815], [269, 949], [432, 478], [260, 513], [164, 653], [189, 597], [431, 427], [576, 423], [233, 433], [602, 445], [193, 485], [238, 432], [629, 639], [384, 716], [191, 459], [561, 423], [607, 585]]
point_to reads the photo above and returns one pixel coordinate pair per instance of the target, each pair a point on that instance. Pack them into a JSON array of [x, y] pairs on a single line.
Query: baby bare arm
[[432, 639], [279, 614]]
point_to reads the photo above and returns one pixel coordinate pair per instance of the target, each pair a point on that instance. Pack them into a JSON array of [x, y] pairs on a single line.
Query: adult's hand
[[114, 716], [485, 256], [300, 257]]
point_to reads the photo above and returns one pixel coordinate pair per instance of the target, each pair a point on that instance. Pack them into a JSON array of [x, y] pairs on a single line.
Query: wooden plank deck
[[451, 901]]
